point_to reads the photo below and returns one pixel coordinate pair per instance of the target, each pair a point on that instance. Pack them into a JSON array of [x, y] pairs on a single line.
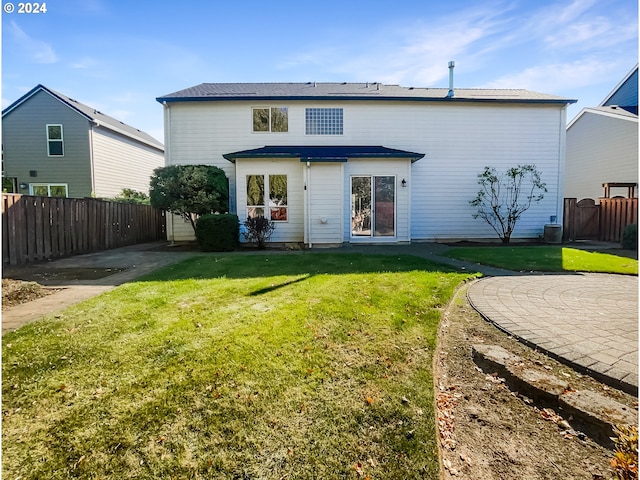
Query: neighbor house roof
[[90, 114], [625, 94], [611, 111], [351, 91], [337, 153]]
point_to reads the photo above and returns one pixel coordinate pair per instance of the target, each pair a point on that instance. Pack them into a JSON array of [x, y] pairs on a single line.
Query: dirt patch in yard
[[488, 431], [16, 292]]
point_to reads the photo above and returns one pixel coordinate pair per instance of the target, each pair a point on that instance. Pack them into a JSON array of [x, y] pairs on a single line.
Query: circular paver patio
[[589, 320]]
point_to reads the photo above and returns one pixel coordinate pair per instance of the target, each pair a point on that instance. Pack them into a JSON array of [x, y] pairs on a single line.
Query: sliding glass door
[[373, 206]]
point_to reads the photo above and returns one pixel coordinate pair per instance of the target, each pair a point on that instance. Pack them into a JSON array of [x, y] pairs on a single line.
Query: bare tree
[[504, 197]]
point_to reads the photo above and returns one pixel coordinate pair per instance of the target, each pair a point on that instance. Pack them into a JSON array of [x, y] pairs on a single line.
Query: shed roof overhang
[[338, 153]]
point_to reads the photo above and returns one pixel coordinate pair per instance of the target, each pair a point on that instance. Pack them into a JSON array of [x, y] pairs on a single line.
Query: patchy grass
[[546, 259], [234, 366]]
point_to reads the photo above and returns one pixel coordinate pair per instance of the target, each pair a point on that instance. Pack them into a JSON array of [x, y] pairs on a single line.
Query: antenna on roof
[[452, 64]]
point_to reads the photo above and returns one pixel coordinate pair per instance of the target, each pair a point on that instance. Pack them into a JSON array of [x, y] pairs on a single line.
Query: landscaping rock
[[588, 410], [597, 413], [541, 386]]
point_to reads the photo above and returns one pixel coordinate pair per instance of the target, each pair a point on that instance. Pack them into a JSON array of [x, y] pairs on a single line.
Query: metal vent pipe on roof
[[452, 64]]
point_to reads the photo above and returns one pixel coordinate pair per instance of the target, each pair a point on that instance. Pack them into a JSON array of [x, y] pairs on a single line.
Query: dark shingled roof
[[91, 114], [334, 153], [351, 91]]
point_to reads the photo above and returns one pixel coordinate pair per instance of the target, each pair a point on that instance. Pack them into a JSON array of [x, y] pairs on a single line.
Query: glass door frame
[[358, 222]]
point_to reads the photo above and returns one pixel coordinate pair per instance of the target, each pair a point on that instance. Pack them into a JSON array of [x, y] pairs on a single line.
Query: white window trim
[[268, 132], [61, 140], [49, 185]]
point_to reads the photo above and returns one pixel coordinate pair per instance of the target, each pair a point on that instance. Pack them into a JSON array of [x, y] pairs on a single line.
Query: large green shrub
[[630, 237], [190, 190], [218, 233]]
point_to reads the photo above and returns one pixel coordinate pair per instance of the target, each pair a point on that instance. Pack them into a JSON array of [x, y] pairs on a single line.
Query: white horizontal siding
[[179, 229], [120, 162], [458, 140], [600, 149], [460, 144], [325, 189]]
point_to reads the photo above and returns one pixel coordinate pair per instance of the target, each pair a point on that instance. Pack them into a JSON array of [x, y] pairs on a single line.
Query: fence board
[[38, 228], [615, 214]]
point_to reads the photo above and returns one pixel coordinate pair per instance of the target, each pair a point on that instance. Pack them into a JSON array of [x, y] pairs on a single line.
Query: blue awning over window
[[338, 153]]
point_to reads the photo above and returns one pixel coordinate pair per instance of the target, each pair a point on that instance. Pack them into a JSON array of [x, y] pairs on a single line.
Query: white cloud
[[37, 50], [85, 63], [409, 54], [558, 77]]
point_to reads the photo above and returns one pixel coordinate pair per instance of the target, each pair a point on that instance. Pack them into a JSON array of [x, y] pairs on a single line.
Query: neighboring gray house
[[602, 144], [54, 145]]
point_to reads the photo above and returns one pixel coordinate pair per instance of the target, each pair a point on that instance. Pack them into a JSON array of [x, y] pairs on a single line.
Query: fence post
[[569, 220]]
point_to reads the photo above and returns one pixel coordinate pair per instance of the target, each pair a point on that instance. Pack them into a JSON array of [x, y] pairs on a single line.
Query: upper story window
[[271, 119], [323, 121], [55, 147]]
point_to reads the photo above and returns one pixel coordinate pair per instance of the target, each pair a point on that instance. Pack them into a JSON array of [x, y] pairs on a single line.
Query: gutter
[[266, 98]]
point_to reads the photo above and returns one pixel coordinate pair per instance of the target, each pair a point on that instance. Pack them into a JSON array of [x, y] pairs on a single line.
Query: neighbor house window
[[48, 189], [274, 207], [323, 121], [55, 147], [9, 185], [271, 119]]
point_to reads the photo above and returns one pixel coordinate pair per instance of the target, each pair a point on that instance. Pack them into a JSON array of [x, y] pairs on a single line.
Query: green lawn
[[546, 259], [233, 366]]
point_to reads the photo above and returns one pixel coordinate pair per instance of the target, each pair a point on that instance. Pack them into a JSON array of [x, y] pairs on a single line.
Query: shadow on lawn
[[300, 264]]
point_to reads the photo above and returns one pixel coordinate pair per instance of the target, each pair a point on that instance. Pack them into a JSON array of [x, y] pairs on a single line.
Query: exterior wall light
[[404, 183]]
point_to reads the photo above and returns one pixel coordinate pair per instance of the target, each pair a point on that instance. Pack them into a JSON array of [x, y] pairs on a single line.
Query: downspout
[[308, 186], [167, 161], [93, 160], [562, 153]]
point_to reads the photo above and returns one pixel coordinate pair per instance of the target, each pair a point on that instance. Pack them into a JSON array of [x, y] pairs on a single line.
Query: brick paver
[[589, 320]]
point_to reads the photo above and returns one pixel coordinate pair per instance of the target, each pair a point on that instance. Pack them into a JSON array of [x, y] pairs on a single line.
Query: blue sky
[[119, 55]]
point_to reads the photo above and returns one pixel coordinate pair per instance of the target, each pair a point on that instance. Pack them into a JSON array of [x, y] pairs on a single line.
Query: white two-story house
[[364, 162]]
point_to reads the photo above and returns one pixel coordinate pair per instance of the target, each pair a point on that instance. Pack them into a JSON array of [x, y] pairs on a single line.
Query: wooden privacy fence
[[604, 221], [39, 228], [615, 214]]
